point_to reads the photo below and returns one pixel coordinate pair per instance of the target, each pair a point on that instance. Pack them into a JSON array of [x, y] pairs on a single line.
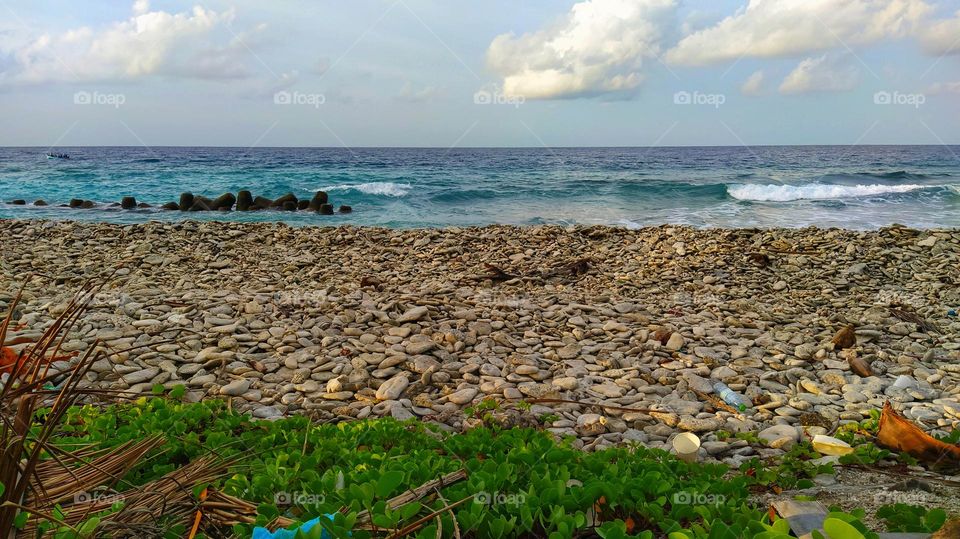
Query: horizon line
[[448, 148]]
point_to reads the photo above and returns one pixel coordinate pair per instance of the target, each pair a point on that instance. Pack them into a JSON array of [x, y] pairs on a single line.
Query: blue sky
[[493, 73]]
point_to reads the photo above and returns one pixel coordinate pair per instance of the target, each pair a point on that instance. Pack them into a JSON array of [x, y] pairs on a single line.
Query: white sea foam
[[375, 188], [785, 193]]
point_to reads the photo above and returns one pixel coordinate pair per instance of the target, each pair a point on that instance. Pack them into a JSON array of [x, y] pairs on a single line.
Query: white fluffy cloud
[[941, 37], [825, 73], [753, 85], [194, 44], [774, 28], [597, 48]]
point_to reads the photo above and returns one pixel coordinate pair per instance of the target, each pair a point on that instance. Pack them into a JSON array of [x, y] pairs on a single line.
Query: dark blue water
[[852, 187]]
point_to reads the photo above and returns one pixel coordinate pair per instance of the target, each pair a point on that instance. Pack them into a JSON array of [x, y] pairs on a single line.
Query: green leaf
[[838, 529], [388, 482]]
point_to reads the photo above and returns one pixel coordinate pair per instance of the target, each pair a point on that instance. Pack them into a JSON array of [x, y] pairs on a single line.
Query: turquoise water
[[853, 187]]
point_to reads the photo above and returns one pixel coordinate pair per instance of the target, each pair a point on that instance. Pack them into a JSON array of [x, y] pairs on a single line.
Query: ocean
[[860, 187]]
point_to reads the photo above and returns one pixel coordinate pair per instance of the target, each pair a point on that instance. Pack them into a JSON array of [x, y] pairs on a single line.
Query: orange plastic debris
[[900, 434]]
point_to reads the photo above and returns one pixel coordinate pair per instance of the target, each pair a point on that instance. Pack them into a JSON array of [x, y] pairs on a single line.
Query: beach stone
[[777, 432], [140, 376], [591, 424], [675, 342], [412, 315], [464, 396], [235, 388], [392, 388]]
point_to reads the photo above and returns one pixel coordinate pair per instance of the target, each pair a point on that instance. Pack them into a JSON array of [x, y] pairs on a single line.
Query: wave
[[786, 193], [389, 189]]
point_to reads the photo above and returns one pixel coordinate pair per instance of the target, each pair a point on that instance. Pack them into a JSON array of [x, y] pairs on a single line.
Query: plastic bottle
[[730, 396]]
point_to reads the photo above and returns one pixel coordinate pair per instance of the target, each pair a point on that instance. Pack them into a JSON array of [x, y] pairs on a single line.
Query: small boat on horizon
[[58, 156]]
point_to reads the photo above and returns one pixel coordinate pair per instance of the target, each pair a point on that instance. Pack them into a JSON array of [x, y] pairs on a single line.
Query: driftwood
[[412, 495], [908, 316]]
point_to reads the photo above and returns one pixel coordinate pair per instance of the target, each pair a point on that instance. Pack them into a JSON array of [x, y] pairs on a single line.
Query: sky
[[467, 74]]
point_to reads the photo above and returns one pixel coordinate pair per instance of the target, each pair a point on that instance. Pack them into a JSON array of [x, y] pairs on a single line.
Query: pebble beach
[[606, 334]]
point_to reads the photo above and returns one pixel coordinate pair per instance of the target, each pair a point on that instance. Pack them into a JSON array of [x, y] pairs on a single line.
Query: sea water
[[861, 187]]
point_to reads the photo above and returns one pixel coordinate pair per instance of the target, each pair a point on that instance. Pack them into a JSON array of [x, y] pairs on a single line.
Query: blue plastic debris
[[263, 533], [952, 312]]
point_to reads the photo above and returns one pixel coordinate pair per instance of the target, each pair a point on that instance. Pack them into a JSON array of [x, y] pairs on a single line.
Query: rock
[[345, 209], [929, 241], [464, 396], [39, 202], [289, 197], [186, 201], [75, 202], [170, 206], [303, 204], [289, 205], [845, 338], [267, 412], [319, 199], [199, 204], [18, 202], [235, 388], [412, 315], [392, 388], [675, 342], [128, 203], [223, 202], [87, 204], [261, 203], [140, 376], [805, 351], [244, 200], [326, 209], [591, 424], [777, 432]]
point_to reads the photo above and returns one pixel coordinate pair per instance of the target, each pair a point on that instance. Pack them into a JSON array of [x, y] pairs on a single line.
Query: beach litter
[[900, 434]]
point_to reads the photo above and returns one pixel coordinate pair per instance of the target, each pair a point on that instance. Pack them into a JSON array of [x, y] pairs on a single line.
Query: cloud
[[778, 28], [944, 88], [596, 48], [942, 37], [827, 73], [410, 94], [753, 85], [193, 44]]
